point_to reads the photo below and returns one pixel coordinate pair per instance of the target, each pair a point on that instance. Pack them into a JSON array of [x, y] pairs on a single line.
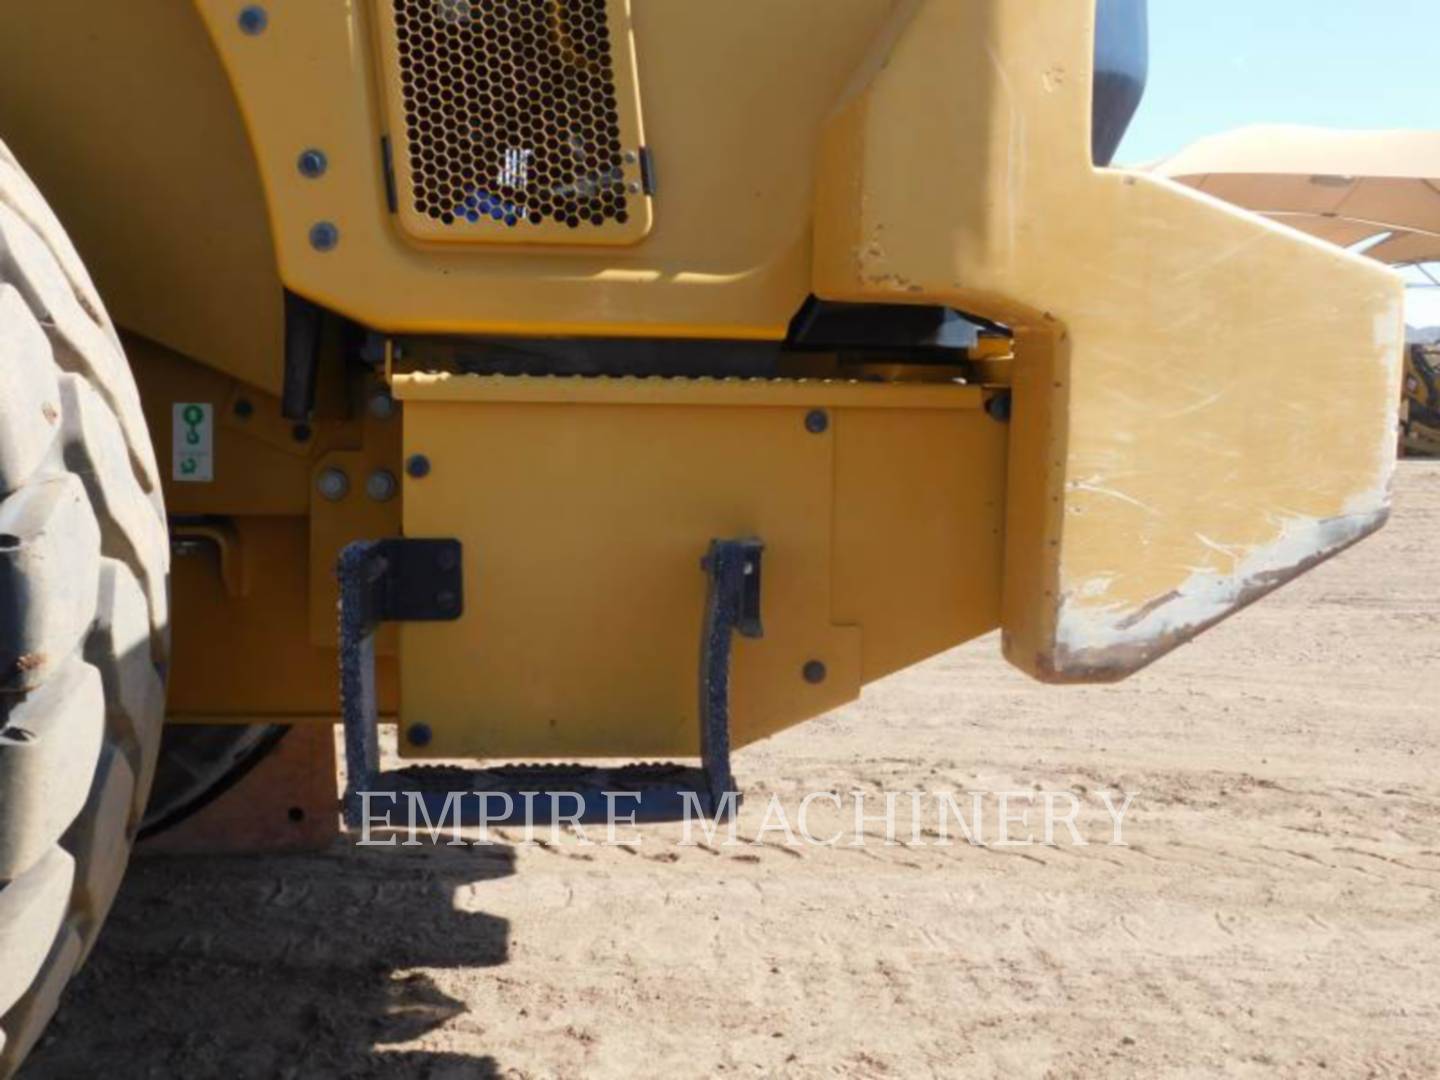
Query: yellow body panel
[[585, 506], [1163, 470], [729, 252], [1164, 464], [126, 120], [260, 467], [254, 591], [248, 658]]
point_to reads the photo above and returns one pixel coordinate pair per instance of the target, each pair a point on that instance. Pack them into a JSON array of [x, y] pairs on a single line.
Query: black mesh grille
[[511, 113]]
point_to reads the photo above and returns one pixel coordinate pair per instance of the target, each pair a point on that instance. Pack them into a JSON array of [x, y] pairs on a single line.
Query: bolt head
[[417, 466], [324, 236], [382, 485], [418, 734], [244, 408], [817, 421], [332, 484], [998, 406], [254, 20], [300, 433], [313, 164], [382, 405], [814, 672]]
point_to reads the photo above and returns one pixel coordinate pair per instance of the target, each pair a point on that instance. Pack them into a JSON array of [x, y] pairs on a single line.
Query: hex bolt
[[324, 236], [998, 406], [244, 408], [382, 405], [417, 466], [254, 19], [312, 164], [333, 484], [817, 421], [814, 672], [381, 485], [418, 734]]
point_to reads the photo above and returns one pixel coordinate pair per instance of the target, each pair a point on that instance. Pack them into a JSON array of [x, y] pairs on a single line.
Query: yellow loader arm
[[1203, 399]]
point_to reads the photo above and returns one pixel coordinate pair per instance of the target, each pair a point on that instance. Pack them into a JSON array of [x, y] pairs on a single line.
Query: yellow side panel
[[1204, 401], [259, 468], [734, 94], [585, 506], [242, 651], [919, 530], [124, 116]]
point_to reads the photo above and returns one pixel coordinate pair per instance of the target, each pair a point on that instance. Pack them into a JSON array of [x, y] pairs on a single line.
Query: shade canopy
[[1341, 186]]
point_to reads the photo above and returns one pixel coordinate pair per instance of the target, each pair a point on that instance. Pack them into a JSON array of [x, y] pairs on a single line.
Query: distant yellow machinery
[[1420, 413], [664, 370]]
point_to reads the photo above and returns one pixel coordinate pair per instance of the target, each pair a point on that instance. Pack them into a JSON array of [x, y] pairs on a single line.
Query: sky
[[1221, 64]]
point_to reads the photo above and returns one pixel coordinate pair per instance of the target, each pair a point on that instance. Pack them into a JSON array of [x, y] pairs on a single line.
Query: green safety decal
[[194, 426]]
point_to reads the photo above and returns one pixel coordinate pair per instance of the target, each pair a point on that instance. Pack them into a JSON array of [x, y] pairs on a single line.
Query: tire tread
[[84, 568]]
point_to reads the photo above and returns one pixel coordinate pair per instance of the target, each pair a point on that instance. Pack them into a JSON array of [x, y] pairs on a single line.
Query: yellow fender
[[1204, 400]]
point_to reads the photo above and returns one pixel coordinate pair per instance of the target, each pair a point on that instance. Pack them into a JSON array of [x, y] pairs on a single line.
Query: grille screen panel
[[520, 120]]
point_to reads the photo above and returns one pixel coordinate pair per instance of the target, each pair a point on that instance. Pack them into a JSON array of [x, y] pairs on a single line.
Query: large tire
[[84, 635]]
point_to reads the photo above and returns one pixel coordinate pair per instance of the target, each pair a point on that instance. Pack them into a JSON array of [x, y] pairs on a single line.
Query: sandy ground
[[1277, 912]]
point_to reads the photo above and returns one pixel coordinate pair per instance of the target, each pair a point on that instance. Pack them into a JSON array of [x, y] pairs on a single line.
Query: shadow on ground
[[184, 980]]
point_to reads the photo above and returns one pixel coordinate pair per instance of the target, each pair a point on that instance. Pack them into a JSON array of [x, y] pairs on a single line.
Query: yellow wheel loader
[[623, 379], [1420, 414]]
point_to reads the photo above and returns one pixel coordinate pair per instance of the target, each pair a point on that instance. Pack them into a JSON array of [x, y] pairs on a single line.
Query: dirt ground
[[1277, 912]]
